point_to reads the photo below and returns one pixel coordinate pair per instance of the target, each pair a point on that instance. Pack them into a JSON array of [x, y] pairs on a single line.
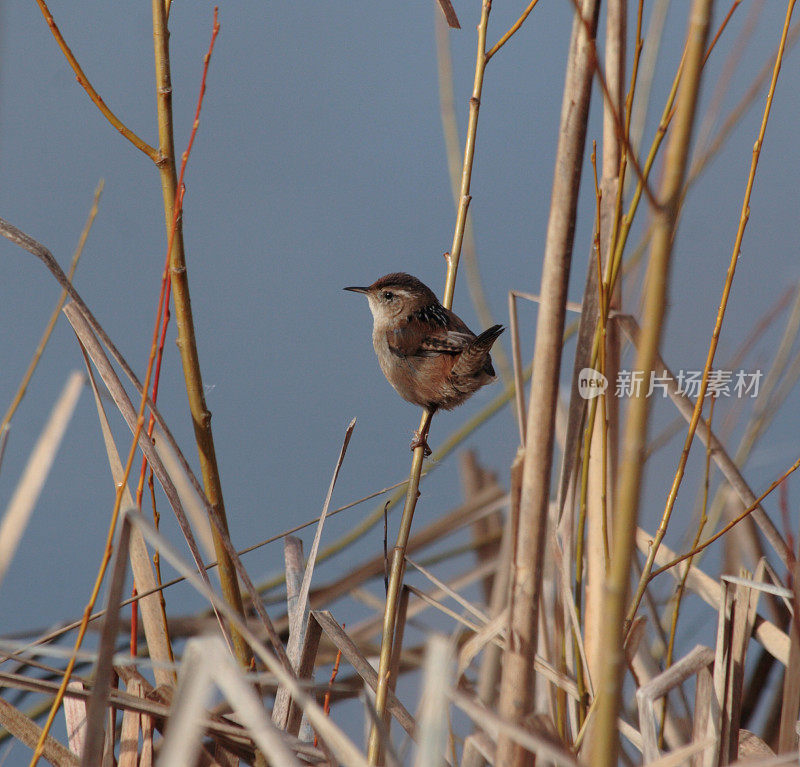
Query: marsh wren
[[426, 352]]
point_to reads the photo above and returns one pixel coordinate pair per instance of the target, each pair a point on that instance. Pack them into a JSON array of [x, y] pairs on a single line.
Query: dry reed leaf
[[370, 626], [454, 595], [3, 442], [192, 499], [429, 600], [577, 634], [681, 756], [362, 667], [280, 710], [645, 667], [207, 664], [493, 726], [98, 703], [29, 487], [470, 649], [305, 671], [129, 730], [486, 502], [203, 515], [92, 347], [143, 575], [75, 719], [181, 471], [576, 411], [646, 696], [28, 732], [293, 557], [432, 719]]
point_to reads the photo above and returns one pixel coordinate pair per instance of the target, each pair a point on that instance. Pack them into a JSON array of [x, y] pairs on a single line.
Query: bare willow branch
[[139, 143]]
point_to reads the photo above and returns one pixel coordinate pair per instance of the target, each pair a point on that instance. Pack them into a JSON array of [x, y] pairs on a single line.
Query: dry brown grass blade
[[745, 606], [97, 709], [296, 623], [155, 631], [28, 732], [132, 725], [305, 670], [26, 493], [486, 502], [293, 557], [787, 736], [95, 352], [370, 626], [362, 667], [432, 718], [75, 719], [454, 595], [208, 664], [495, 726], [576, 411], [646, 696], [37, 355], [480, 641]]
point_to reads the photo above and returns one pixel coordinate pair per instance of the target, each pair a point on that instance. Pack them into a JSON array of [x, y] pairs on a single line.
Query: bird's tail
[[476, 357]]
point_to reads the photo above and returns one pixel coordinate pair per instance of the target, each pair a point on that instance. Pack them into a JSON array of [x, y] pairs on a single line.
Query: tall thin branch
[[83, 80], [518, 680], [201, 417], [605, 742]]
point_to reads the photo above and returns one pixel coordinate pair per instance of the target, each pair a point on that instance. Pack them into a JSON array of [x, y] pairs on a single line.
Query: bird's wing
[[407, 341], [446, 342]]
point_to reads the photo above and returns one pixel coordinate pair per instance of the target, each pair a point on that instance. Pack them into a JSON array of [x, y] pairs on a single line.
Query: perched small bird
[[426, 351]]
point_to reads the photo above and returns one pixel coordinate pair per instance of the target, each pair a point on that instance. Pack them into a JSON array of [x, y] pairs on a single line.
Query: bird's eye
[[388, 295]]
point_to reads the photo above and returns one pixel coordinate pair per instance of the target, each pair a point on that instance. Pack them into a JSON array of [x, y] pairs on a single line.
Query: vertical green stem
[[201, 417]]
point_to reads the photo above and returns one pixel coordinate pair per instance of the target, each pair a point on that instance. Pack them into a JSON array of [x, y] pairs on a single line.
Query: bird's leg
[[421, 439]]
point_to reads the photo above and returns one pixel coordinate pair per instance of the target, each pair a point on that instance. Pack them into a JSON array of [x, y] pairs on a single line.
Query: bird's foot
[[419, 441]]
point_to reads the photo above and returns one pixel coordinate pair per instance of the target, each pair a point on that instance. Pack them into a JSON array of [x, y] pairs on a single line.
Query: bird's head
[[396, 295]]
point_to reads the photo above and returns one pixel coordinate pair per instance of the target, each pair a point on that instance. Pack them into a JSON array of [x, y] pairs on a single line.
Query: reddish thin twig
[[326, 703]]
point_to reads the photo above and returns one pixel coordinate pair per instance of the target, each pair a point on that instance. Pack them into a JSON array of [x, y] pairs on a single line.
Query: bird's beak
[[358, 290]]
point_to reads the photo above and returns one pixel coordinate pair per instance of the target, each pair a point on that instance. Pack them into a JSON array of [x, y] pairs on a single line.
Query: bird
[[426, 351]]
